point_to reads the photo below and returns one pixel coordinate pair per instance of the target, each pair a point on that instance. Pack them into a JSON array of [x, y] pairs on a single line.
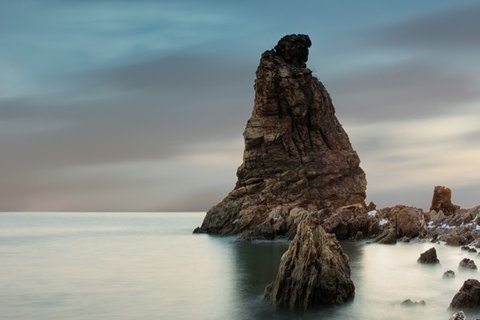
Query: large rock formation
[[313, 271], [296, 151]]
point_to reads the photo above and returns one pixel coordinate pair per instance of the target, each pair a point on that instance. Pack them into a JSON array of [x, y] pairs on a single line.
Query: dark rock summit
[[313, 271], [296, 152]]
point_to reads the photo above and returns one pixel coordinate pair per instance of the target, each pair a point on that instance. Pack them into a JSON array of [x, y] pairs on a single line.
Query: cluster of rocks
[[467, 298], [455, 226], [301, 179]]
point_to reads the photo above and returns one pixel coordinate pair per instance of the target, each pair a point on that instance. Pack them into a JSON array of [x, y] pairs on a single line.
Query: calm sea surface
[[150, 266]]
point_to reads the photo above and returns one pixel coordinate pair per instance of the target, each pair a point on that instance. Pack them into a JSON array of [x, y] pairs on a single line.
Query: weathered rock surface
[[468, 297], [313, 271], [296, 152], [442, 201], [429, 257], [467, 264]]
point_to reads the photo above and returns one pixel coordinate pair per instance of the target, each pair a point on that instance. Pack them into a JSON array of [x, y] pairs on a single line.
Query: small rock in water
[[468, 297], [449, 274], [410, 303], [467, 264], [458, 316], [429, 256]]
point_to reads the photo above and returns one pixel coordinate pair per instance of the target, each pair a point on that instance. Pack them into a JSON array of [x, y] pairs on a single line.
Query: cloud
[[453, 30], [405, 159], [164, 109], [402, 90]]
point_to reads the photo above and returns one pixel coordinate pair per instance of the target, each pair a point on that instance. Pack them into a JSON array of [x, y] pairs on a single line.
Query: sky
[[118, 105]]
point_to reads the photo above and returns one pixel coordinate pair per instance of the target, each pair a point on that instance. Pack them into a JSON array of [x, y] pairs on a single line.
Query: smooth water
[[150, 266]]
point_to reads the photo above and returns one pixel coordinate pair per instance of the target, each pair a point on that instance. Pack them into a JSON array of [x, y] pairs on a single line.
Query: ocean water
[[96, 266]]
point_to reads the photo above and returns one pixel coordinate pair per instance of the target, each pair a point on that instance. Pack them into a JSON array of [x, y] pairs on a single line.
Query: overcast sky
[[119, 105]]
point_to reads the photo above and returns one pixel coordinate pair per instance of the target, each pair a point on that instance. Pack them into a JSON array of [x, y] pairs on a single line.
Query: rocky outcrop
[[408, 221], [296, 152], [468, 297], [313, 271], [351, 222], [429, 257], [442, 201]]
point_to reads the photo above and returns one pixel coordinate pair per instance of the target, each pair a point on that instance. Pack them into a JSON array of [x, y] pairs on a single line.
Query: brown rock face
[[442, 201], [296, 151], [313, 271], [468, 297]]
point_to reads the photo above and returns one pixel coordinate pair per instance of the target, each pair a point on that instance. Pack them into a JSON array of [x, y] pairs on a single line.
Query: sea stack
[[297, 153], [313, 271]]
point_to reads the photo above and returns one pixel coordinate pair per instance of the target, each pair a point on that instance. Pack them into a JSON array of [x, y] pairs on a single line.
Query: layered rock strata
[[313, 271], [296, 152]]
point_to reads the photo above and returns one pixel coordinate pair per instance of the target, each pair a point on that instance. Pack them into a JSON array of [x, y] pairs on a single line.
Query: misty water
[[150, 266]]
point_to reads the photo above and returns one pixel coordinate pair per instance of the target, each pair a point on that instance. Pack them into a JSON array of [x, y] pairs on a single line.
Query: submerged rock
[[410, 303], [468, 297], [449, 274], [296, 152], [429, 257], [467, 264], [313, 271], [469, 249]]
